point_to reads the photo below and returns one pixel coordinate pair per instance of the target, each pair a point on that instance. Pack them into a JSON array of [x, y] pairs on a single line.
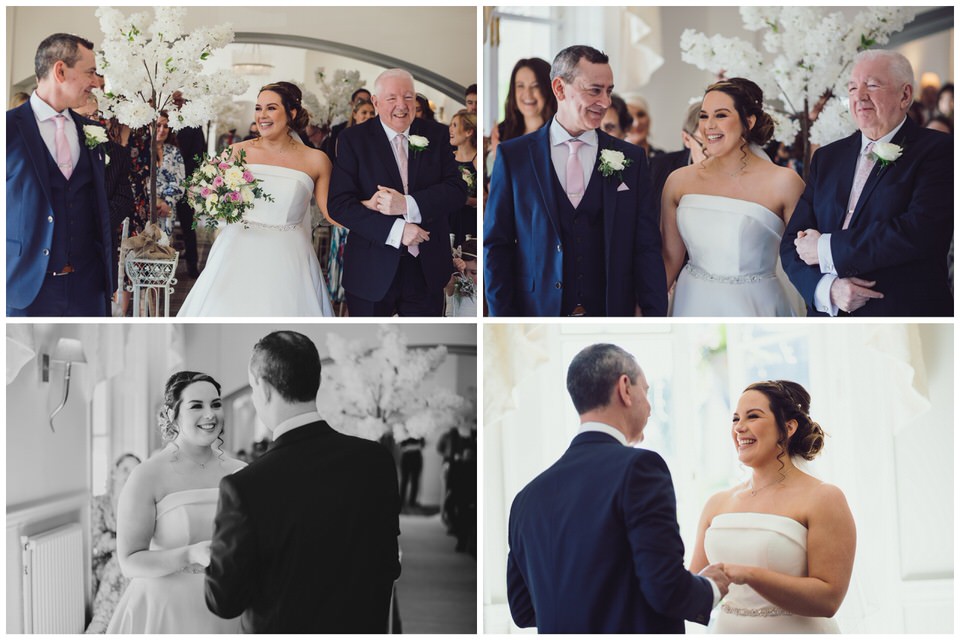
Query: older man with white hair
[[871, 232], [395, 184]]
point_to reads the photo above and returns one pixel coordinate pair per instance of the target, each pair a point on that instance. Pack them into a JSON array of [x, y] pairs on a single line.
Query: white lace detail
[[763, 612], [269, 227], [699, 273]]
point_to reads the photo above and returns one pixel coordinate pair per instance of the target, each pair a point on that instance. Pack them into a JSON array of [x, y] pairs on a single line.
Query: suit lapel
[[543, 172], [610, 186], [414, 157], [385, 155], [845, 178], [36, 148], [879, 172]]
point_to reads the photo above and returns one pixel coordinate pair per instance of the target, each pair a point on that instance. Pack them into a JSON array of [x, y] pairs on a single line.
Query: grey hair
[[391, 73], [899, 66], [594, 372], [565, 64], [59, 46], [692, 122]]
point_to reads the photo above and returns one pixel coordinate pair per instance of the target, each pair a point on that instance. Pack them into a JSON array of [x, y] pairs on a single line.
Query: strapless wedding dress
[[265, 266], [732, 246], [174, 603], [761, 540]]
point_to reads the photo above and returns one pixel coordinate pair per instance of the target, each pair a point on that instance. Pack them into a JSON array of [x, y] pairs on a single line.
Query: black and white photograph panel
[[223, 155], [719, 161], [255, 478], [719, 478]]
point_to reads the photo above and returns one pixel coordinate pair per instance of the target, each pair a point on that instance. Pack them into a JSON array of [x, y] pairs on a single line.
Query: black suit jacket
[[901, 227], [305, 537], [365, 161], [661, 166]]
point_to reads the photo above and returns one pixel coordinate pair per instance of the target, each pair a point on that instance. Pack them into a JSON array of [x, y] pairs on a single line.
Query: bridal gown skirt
[[266, 265], [761, 540], [733, 246], [174, 603]]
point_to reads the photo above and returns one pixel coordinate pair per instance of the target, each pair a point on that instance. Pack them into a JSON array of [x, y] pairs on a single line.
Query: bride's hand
[[199, 553], [737, 573]]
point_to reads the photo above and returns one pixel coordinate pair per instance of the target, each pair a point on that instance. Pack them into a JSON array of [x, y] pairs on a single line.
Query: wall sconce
[[67, 351]]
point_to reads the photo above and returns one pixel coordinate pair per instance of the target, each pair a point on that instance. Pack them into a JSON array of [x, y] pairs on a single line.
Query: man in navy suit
[[58, 219], [570, 228], [594, 541], [395, 184], [871, 232]]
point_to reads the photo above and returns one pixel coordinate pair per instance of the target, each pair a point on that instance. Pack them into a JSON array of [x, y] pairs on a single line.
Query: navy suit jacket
[[523, 253], [595, 546], [305, 537], [901, 228], [29, 208], [365, 161]]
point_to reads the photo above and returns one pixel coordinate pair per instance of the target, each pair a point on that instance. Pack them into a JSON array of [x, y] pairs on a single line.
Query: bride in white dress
[[728, 213], [266, 265], [785, 539]]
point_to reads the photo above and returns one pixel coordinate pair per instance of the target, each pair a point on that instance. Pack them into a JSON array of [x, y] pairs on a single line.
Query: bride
[[266, 266], [728, 213], [166, 512], [785, 539]]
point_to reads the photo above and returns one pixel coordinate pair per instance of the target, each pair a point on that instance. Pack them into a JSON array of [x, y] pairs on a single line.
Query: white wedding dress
[[265, 266], [733, 246], [761, 540]]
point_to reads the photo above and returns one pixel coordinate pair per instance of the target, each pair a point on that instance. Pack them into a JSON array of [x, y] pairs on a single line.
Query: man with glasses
[[570, 228], [663, 165]]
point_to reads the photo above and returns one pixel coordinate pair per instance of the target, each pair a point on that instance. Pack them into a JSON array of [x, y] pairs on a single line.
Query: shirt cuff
[[396, 234], [825, 255], [716, 592], [413, 211], [821, 297]]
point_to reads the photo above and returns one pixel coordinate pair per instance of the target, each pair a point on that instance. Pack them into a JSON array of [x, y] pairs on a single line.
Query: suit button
[[49, 218], [46, 252], [559, 248], [558, 285]]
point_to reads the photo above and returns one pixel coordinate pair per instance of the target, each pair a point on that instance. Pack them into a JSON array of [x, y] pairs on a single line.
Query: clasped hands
[[724, 575], [391, 202], [849, 294]]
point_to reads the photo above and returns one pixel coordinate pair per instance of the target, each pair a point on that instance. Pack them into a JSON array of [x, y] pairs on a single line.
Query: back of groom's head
[[565, 64], [289, 361], [594, 372], [59, 46]]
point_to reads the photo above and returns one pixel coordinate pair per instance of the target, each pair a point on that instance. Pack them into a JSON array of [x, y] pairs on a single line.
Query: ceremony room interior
[[882, 393], [83, 399]]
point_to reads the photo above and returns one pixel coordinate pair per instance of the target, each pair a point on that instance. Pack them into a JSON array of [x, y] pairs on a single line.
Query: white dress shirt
[[600, 427], [295, 422], [413, 211], [821, 296], [44, 114], [559, 152]]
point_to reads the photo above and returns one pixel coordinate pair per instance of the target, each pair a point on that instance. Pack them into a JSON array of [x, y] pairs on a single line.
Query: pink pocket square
[[623, 187]]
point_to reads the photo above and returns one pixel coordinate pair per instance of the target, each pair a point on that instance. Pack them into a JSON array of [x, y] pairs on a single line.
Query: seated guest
[[639, 132], [617, 120]]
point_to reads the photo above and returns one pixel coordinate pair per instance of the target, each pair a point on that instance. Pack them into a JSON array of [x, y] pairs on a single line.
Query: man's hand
[[413, 234], [806, 244], [372, 202], [715, 573], [390, 202], [849, 294]]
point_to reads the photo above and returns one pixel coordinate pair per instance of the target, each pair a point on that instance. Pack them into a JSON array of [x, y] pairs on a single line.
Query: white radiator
[[53, 600]]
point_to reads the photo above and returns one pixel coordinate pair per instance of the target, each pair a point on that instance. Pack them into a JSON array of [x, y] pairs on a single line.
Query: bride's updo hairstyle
[[790, 401], [173, 396], [292, 99], [748, 101]]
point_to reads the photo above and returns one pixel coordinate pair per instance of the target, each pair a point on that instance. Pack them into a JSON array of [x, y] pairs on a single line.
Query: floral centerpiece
[[144, 63], [812, 53], [223, 188]]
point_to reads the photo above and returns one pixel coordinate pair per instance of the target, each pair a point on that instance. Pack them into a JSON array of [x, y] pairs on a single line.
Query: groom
[[305, 537], [871, 232], [594, 541], [395, 184], [59, 258], [570, 227]]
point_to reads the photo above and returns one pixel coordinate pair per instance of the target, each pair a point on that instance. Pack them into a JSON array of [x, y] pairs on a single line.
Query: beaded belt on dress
[[762, 612], [700, 274], [269, 227]]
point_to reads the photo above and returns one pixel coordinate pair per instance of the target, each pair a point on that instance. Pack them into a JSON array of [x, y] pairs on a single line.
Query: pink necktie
[[574, 172], [400, 149], [64, 159], [859, 180]]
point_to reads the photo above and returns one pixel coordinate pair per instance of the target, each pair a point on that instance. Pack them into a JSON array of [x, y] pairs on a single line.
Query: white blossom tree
[[811, 55], [380, 389], [145, 63], [337, 92]]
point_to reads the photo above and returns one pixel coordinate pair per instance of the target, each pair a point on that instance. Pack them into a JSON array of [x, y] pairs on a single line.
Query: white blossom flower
[[834, 122]]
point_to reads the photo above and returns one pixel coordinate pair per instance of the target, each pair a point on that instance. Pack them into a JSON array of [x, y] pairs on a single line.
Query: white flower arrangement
[[613, 162], [337, 92], [886, 153], [812, 53], [94, 135], [417, 143]]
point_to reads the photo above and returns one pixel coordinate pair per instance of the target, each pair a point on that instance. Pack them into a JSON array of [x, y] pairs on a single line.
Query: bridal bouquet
[[223, 188]]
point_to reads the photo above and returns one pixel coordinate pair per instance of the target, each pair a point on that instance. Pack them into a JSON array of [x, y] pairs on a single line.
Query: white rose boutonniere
[[612, 163], [886, 153], [418, 143], [94, 135]]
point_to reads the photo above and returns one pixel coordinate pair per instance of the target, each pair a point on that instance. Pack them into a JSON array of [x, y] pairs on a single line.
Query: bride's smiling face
[[720, 127], [270, 115], [755, 431], [200, 417]]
